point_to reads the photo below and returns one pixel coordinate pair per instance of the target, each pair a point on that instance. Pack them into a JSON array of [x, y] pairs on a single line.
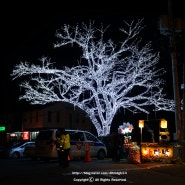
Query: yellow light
[[156, 153], [141, 123], [145, 152], [163, 123], [167, 153]]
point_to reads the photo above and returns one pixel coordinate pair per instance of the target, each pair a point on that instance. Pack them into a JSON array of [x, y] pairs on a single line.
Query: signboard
[[26, 135], [156, 153], [2, 128]]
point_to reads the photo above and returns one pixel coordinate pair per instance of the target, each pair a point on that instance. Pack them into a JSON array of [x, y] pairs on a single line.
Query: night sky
[[28, 33]]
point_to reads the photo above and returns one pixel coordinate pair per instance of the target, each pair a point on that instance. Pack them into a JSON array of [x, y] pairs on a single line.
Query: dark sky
[[28, 32]]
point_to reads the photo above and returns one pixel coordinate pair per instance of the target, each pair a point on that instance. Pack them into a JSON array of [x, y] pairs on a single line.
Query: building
[[51, 116]]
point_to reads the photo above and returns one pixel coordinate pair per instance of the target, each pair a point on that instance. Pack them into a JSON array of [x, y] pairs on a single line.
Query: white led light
[[110, 76]]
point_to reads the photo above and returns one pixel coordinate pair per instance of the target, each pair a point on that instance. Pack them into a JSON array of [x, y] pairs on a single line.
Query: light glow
[[163, 123], [141, 123], [109, 76], [26, 135], [125, 128], [156, 152]]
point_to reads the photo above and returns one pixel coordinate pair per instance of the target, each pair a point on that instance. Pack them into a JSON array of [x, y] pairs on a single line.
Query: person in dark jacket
[[117, 146], [58, 145]]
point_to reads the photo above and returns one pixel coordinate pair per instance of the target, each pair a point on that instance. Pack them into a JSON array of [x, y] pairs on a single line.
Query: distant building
[[56, 115], [50, 116]]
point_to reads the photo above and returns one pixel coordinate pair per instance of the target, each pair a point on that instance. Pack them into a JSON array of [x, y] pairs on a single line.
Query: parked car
[[17, 151], [29, 151], [80, 139], [4, 149]]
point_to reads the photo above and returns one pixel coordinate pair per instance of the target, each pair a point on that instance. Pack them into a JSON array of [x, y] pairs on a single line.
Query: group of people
[[63, 147]]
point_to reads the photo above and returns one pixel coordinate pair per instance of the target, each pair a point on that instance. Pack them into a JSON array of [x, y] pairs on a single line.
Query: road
[[26, 171]]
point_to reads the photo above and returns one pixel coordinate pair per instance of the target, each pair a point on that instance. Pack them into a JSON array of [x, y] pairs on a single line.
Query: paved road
[[26, 171]]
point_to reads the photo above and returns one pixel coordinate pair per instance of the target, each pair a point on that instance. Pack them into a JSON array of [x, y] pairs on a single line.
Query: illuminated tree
[[108, 77]]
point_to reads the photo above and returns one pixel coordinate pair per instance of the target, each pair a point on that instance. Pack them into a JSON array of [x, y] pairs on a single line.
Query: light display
[[109, 76], [26, 135], [163, 123], [156, 153], [141, 123], [125, 128]]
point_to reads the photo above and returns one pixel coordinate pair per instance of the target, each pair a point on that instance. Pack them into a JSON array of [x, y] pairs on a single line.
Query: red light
[[25, 135]]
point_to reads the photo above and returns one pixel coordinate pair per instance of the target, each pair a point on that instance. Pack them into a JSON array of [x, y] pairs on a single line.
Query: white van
[[46, 149]]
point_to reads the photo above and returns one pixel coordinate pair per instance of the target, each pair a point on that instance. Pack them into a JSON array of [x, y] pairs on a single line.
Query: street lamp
[[163, 132], [141, 125], [163, 123]]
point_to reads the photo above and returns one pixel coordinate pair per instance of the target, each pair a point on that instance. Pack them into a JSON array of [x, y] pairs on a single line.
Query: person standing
[[65, 148], [58, 145], [117, 144]]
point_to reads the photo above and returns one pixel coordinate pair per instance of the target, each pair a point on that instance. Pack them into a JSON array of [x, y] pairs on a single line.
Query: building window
[[49, 116]]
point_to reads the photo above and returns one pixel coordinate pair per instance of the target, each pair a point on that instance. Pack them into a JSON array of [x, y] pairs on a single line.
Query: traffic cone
[[87, 154], [69, 158]]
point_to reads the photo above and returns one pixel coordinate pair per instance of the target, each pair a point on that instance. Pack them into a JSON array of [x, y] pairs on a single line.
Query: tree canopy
[[108, 76]]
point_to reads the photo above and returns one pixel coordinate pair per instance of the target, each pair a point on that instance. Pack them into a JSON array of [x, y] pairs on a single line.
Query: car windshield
[[17, 144]]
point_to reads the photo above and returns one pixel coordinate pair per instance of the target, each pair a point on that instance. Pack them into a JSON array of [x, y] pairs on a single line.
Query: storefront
[[22, 136]]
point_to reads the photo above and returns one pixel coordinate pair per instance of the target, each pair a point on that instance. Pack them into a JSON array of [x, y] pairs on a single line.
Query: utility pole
[[168, 26], [178, 120]]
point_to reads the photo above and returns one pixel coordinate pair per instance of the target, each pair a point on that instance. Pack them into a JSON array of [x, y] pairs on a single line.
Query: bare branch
[[115, 75]]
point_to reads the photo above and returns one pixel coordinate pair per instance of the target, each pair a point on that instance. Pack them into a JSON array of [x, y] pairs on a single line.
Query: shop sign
[[156, 153]]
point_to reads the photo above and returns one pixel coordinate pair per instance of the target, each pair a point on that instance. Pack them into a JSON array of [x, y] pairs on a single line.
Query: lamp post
[[164, 135], [172, 29], [141, 125], [163, 123]]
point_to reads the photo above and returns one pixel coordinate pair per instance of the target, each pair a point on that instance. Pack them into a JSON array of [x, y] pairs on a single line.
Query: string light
[[111, 76]]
